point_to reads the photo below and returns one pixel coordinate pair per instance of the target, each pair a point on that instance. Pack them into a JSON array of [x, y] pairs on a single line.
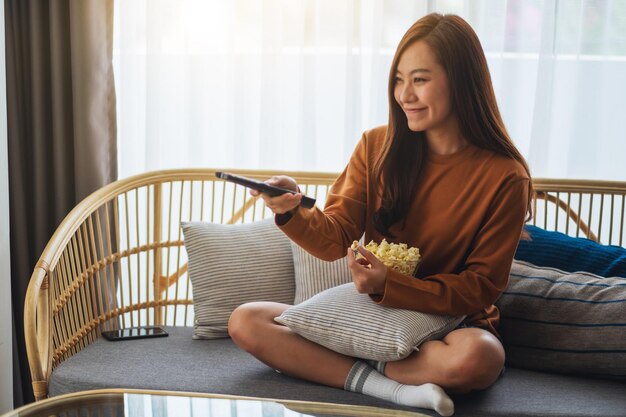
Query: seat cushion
[[179, 363]]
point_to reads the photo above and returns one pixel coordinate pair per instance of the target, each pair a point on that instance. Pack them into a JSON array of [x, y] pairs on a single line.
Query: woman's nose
[[407, 94]]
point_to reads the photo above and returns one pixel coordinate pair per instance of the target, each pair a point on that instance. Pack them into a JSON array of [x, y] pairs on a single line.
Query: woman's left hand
[[369, 274]]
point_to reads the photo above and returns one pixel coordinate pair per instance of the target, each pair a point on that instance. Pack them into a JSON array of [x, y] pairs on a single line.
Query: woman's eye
[[418, 80], [396, 80]]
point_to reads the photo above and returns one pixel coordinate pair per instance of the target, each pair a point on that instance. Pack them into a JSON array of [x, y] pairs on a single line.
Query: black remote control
[[270, 190]]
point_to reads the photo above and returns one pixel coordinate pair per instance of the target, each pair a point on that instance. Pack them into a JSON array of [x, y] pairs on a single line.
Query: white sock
[[364, 379], [378, 365]]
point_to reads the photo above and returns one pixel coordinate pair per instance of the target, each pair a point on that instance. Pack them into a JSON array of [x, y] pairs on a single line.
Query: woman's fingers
[[282, 203], [363, 261], [352, 259], [283, 181], [371, 258], [369, 276]]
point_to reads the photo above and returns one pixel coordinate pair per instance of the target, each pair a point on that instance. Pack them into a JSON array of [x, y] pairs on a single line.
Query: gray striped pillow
[[230, 265], [313, 275], [347, 322], [564, 322]]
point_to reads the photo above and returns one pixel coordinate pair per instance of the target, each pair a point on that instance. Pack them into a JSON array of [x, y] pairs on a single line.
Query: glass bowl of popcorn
[[394, 255]]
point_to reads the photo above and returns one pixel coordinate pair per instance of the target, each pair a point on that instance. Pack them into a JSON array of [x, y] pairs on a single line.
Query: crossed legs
[[465, 360], [252, 328]]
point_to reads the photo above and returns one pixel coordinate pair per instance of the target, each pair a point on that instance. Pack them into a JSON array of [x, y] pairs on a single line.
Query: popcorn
[[397, 256]]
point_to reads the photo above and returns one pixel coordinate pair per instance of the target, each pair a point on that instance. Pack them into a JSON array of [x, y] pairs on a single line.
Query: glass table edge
[[296, 405]]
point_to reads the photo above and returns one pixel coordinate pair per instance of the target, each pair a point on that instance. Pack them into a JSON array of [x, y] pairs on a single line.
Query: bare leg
[[253, 328], [465, 360]]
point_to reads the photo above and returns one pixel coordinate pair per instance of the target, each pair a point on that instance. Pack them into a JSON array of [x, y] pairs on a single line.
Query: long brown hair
[[400, 163]]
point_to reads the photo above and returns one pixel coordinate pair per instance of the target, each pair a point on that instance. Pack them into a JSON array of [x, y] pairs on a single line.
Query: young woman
[[443, 176]]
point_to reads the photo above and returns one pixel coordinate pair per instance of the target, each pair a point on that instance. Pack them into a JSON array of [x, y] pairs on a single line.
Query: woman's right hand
[[282, 203]]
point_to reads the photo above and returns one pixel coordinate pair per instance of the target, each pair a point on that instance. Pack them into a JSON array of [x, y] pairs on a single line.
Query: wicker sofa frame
[[118, 259]]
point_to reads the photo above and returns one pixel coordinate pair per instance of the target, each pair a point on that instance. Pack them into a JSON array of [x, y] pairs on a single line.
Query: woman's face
[[421, 89]]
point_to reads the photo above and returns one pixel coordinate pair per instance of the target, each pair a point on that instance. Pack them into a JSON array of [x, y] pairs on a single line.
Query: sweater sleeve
[[327, 234], [487, 267]]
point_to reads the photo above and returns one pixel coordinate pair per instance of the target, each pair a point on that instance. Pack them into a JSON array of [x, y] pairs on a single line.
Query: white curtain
[[292, 84]]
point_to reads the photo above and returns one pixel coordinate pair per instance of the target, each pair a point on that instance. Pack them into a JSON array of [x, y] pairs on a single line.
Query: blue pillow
[[571, 254]]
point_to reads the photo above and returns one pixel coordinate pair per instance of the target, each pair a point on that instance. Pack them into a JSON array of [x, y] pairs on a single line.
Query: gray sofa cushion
[[559, 321], [179, 363]]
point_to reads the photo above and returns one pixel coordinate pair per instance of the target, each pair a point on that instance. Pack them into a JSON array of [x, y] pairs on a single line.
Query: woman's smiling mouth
[[415, 111]]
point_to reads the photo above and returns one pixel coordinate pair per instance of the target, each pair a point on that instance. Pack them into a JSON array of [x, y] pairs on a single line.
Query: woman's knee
[[241, 325], [477, 364], [248, 324]]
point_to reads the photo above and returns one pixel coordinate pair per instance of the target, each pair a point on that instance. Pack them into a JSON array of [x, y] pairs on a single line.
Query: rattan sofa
[[118, 260]]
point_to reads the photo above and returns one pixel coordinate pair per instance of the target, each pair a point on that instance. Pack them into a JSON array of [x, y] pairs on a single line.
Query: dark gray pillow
[[230, 265], [564, 322]]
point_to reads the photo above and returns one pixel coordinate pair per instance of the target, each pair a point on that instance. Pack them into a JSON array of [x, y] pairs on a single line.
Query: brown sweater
[[466, 220]]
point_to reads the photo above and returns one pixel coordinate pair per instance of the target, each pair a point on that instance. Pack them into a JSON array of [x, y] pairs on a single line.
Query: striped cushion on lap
[[230, 265], [347, 322], [564, 322], [313, 275]]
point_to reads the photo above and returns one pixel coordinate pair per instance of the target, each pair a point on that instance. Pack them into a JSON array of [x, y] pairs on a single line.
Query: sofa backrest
[[582, 208]]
